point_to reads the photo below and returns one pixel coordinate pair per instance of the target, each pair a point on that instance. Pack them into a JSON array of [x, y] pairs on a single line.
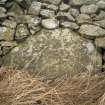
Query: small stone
[[2, 12], [82, 2], [33, 21], [70, 25], [56, 2], [74, 12], [101, 4], [34, 30], [100, 16], [100, 42], [89, 9], [35, 8], [91, 31], [50, 23], [52, 7], [65, 16], [83, 18], [64, 7], [49, 6], [7, 46], [21, 32], [46, 13], [6, 33], [9, 23], [100, 23]]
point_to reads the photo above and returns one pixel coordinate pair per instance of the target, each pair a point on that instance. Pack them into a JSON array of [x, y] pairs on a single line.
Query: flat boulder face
[[53, 53]]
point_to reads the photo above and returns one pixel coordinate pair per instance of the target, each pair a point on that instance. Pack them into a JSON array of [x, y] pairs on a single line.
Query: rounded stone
[[91, 31], [50, 23], [54, 53]]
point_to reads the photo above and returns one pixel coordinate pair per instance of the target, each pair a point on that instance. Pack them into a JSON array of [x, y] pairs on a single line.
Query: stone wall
[[53, 36]]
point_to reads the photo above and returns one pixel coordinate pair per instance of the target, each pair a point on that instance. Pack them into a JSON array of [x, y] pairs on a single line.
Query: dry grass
[[21, 88]]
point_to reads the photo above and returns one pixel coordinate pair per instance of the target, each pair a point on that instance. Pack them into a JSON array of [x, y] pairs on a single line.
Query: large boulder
[[53, 53]]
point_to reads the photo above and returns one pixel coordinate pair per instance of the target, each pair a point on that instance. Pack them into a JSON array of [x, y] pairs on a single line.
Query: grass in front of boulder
[[22, 88]]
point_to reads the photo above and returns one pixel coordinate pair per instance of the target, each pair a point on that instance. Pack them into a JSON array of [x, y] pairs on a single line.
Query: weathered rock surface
[[35, 8], [89, 9], [50, 23], [56, 2], [100, 42], [91, 31], [82, 2], [53, 53], [21, 32], [6, 33], [83, 18]]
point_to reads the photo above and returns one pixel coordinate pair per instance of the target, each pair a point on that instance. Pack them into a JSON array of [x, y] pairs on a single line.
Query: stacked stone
[[20, 19]]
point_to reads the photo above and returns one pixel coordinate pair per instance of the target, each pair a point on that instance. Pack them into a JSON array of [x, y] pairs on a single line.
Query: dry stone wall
[[53, 36]]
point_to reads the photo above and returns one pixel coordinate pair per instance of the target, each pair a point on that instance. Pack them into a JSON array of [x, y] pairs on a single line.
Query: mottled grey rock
[[46, 13], [33, 21], [64, 7], [82, 2], [9, 23], [34, 30], [21, 32], [101, 4], [50, 23], [83, 18], [91, 30], [53, 53], [2, 12], [100, 23], [66, 15], [89, 9], [74, 12], [100, 16], [56, 2], [15, 9], [70, 25], [100, 42], [6, 33], [7, 46], [50, 6], [35, 8]]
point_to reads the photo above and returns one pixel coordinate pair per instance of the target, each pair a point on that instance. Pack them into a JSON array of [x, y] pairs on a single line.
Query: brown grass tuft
[[21, 88]]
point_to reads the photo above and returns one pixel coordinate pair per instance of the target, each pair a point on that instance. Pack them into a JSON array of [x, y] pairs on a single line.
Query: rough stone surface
[[82, 2], [64, 7], [2, 12], [53, 53], [70, 25], [35, 8], [91, 31], [89, 9], [6, 33], [74, 12], [56, 2], [7, 46], [21, 32], [65, 16], [100, 42], [101, 4], [100, 23], [83, 18], [47, 13], [50, 23]]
